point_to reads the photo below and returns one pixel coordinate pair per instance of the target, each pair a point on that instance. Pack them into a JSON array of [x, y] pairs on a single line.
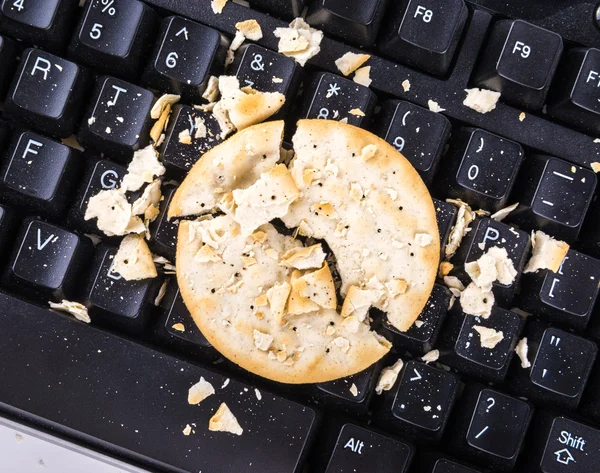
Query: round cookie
[[266, 302]]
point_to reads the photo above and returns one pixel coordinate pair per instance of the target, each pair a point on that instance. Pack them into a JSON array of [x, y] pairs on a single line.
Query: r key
[[519, 62]]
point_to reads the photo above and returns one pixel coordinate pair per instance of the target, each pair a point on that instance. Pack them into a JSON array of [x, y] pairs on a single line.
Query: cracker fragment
[[595, 166], [113, 213], [503, 213], [431, 356], [488, 337], [445, 268], [179, 327], [304, 257], [522, 116], [278, 297], [200, 391], [143, 168], [368, 152], [357, 112], [187, 430], [350, 61], [262, 340], [159, 125], [481, 100], [211, 93], [164, 101], [547, 253], [388, 376], [224, 421], [493, 265], [184, 137], [406, 85], [435, 107], [133, 260], [77, 310], [299, 41], [250, 29], [353, 390], [218, 5], [362, 76], [476, 301], [463, 219], [150, 197], [521, 350], [359, 301], [423, 239]]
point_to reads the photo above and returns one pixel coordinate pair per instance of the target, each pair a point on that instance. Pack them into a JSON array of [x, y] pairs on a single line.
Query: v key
[[40, 245]]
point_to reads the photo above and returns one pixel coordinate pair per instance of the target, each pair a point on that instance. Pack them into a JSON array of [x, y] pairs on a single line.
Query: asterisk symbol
[[333, 90]]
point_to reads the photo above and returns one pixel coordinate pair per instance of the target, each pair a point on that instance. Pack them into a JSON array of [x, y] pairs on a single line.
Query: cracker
[[133, 260], [224, 421], [350, 61], [547, 253], [299, 41], [481, 100]]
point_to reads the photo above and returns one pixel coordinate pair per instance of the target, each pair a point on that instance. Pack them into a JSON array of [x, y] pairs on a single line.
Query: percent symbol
[[108, 6]]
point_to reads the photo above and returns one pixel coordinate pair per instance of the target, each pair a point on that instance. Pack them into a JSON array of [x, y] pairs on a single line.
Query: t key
[[577, 91], [491, 427], [553, 195], [421, 403], [359, 449], [357, 21], [100, 175], [118, 120], [114, 36], [424, 33], [566, 297], [39, 174], [332, 97], [46, 24], [519, 62], [47, 261], [47, 93], [419, 134], [482, 168], [186, 55], [485, 234], [115, 302]]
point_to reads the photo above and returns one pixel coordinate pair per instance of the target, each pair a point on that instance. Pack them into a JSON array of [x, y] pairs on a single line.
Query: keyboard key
[[179, 157], [444, 465], [39, 174], [114, 302], [567, 447], [114, 36], [566, 297], [332, 97], [176, 327], [359, 449], [446, 217], [100, 175], [8, 61], [487, 233], [561, 365], [424, 33], [8, 220], [519, 62], [186, 55], [164, 231], [553, 196], [491, 427], [420, 404], [419, 134], [47, 93], [481, 168], [357, 21], [46, 24], [422, 336], [47, 261], [574, 98], [338, 394], [117, 122], [461, 344], [289, 9], [267, 71], [95, 383]]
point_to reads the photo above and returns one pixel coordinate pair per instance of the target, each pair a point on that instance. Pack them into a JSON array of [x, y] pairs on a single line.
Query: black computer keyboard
[[120, 385]]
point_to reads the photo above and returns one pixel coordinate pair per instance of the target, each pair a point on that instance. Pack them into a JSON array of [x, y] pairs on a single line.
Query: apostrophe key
[[481, 168], [422, 335], [46, 24], [566, 297], [420, 404], [117, 122], [331, 97], [179, 156], [519, 62], [100, 175], [357, 21], [47, 261], [185, 56], [114, 301], [39, 174], [490, 427], [360, 449], [419, 134], [114, 36], [487, 233], [46, 93], [553, 196], [560, 366], [576, 90], [424, 33]]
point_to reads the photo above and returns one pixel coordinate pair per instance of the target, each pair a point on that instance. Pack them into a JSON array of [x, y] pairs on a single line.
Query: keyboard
[[79, 80]]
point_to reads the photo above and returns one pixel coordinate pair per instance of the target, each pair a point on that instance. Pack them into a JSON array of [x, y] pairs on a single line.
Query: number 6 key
[[114, 36]]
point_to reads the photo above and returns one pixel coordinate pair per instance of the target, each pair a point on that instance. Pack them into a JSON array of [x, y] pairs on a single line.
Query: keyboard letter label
[[29, 149], [592, 77], [354, 445], [108, 180], [491, 234], [119, 90], [422, 11], [40, 245], [37, 67]]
